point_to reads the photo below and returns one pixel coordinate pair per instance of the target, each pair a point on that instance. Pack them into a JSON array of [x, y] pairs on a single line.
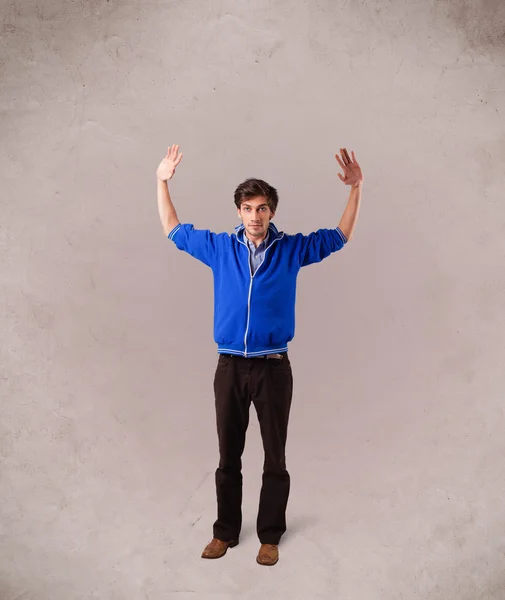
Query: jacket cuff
[[339, 231], [174, 231]]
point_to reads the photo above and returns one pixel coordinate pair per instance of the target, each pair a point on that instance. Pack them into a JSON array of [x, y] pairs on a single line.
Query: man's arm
[[350, 215], [353, 177], [319, 244], [165, 171], [168, 215], [199, 243]]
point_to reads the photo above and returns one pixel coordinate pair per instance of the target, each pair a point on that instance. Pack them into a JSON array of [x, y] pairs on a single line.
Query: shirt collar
[[252, 245]]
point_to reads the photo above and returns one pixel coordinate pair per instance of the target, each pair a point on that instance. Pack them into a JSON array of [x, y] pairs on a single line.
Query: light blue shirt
[[257, 254]]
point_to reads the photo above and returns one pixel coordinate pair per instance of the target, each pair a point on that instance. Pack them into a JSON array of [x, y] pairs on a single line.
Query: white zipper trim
[[251, 282], [248, 309]]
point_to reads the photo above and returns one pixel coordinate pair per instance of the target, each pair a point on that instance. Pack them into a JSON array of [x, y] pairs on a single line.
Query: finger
[[354, 156], [339, 161], [178, 159], [347, 156], [341, 178], [344, 157]]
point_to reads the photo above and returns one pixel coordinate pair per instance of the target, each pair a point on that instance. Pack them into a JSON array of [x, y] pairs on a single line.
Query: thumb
[[341, 178]]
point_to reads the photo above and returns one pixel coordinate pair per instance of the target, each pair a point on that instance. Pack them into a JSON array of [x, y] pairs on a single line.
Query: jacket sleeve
[[199, 243], [319, 244]]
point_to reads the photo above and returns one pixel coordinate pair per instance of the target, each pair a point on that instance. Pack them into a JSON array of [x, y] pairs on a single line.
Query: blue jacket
[[255, 314]]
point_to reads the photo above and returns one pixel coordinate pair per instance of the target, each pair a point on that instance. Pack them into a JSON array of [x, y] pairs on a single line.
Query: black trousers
[[268, 384]]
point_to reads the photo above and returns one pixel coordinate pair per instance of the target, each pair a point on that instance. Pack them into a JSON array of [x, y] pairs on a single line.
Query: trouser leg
[[232, 419], [272, 400]]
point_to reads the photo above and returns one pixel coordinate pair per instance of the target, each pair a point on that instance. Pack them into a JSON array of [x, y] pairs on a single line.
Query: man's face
[[256, 215]]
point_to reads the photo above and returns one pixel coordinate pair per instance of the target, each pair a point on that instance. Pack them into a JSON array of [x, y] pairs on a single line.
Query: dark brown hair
[[251, 188]]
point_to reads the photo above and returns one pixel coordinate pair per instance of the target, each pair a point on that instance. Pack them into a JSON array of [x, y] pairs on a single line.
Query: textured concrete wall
[[107, 435]]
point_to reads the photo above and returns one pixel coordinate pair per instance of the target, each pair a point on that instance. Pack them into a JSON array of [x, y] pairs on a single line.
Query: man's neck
[[256, 241]]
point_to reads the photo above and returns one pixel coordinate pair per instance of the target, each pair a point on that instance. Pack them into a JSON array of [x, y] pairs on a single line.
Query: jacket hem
[[262, 352]]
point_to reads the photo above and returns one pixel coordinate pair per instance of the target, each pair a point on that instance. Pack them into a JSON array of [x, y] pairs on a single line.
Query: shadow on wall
[[481, 23]]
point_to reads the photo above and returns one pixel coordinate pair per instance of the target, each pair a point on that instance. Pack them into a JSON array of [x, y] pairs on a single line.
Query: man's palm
[[352, 170], [168, 165]]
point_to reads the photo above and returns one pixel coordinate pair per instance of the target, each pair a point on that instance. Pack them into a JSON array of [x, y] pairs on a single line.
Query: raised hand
[[168, 165], [352, 170]]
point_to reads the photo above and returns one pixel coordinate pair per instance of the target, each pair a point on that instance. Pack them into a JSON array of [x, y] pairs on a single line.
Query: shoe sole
[[266, 564], [232, 545]]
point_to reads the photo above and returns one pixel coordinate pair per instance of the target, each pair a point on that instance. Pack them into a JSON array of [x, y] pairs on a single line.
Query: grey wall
[[107, 430]]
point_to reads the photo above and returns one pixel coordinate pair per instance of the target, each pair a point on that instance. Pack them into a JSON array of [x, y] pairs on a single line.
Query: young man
[[255, 271]]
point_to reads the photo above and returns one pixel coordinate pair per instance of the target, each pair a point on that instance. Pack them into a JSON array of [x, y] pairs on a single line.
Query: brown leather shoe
[[268, 554], [217, 548]]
